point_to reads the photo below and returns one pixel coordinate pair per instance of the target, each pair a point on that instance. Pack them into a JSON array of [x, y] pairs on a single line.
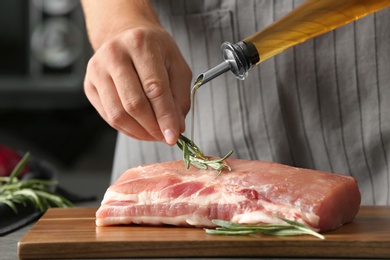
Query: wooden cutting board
[[71, 233]]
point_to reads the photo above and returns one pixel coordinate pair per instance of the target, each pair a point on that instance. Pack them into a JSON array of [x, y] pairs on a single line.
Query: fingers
[[152, 65], [134, 101], [105, 99], [155, 83], [140, 86], [181, 88]]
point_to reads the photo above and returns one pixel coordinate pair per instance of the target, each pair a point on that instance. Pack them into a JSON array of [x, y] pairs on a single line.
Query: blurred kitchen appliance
[[43, 54]]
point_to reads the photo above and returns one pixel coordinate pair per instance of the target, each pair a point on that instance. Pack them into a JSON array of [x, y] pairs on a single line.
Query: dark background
[[43, 55]]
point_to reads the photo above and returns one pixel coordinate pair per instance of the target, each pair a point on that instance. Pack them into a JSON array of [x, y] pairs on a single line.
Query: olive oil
[[197, 84], [310, 19]]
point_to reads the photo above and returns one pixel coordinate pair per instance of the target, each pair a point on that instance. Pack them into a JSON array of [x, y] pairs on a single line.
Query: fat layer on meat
[[252, 193]]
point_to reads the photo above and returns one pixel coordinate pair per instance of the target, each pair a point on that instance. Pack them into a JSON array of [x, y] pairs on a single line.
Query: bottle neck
[[241, 57], [238, 58]]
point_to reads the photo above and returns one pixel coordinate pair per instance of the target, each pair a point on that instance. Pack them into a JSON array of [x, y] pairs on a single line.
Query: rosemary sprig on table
[[14, 191], [291, 228], [193, 155]]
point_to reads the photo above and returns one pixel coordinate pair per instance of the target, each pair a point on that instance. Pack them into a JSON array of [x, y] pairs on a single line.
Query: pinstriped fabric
[[212, 121], [377, 52], [344, 155], [286, 144], [323, 104], [360, 109], [242, 97], [322, 86]]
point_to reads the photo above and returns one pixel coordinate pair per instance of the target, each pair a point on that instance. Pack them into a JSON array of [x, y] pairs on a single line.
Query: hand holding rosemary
[[193, 155], [34, 191]]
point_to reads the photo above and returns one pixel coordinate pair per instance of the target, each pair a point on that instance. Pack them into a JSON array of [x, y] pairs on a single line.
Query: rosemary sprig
[[14, 191], [291, 228], [193, 155]]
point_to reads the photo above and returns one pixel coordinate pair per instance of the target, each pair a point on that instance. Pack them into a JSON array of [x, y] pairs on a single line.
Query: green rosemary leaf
[[193, 155], [33, 191], [285, 232], [31, 196], [197, 164], [291, 228], [194, 148], [9, 203], [228, 232], [4, 179], [186, 155], [301, 227], [293, 223], [226, 224], [19, 167], [53, 199], [37, 183], [260, 228], [226, 156]]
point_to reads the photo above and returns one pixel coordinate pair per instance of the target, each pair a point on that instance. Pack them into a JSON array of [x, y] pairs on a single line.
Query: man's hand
[[137, 79]]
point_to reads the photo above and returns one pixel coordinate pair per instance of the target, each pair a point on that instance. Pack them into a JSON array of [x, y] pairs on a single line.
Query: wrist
[[106, 18]]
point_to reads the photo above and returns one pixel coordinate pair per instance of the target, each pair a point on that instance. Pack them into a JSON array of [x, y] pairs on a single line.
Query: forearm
[[107, 18]]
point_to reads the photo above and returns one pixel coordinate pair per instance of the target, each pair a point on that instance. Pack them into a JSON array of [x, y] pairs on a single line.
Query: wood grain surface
[[71, 233]]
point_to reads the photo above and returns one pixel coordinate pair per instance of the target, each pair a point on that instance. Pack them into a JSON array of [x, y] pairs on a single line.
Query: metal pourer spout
[[238, 58]]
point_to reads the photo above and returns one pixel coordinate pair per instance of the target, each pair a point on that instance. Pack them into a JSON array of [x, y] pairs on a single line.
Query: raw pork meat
[[168, 193]]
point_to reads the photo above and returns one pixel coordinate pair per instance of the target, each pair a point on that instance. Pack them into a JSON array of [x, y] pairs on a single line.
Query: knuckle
[[137, 37], [106, 56], [109, 54], [153, 90], [165, 116], [134, 106], [92, 63], [93, 67], [109, 49], [115, 117]]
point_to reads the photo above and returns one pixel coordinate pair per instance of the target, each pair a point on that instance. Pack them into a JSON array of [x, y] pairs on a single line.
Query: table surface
[[9, 242], [71, 233]]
